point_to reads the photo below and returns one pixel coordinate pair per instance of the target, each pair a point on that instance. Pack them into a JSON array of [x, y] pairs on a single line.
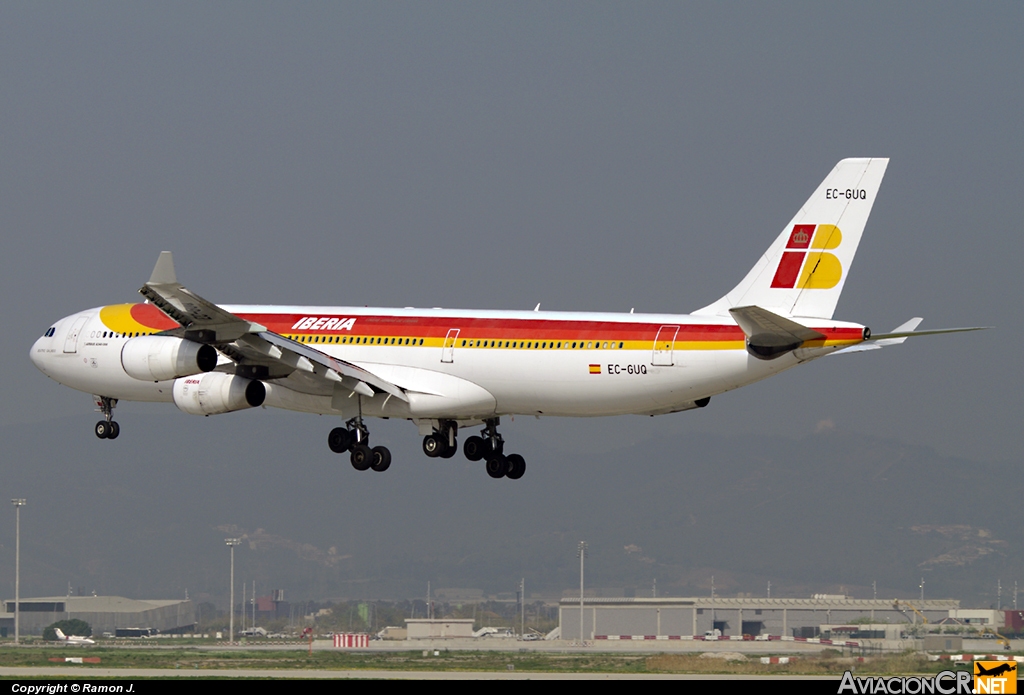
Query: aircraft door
[[448, 351], [71, 340], [664, 346]]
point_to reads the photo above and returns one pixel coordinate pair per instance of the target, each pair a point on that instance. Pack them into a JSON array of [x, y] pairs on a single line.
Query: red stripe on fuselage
[[515, 329]]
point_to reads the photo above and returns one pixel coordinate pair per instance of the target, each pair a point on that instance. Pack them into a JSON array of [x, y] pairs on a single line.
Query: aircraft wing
[[899, 334], [255, 352]]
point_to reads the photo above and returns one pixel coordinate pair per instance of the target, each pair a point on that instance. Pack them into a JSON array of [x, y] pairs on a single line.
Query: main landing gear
[[355, 438], [491, 448], [107, 428], [442, 443]]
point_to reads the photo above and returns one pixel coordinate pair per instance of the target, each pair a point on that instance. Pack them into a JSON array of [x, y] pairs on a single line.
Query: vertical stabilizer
[[803, 272]]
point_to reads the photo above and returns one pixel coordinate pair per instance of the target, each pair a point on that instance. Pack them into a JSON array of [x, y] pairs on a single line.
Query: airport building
[[103, 613], [678, 617]]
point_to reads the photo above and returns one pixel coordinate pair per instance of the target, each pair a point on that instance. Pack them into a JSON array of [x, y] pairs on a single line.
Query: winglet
[[163, 271]]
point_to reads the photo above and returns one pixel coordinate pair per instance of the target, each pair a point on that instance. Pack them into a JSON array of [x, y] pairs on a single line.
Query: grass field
[[829, 663]]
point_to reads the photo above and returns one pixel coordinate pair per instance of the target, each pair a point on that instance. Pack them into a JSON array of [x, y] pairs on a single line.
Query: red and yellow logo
[[804, 264], [595, 369], [995, 677], [135, 318]]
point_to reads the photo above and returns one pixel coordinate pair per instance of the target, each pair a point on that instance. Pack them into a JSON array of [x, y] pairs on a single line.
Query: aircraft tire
[[497, 466], [115, 429], [516, 466], [450, 451], [362, 457], [339, 440], [381, 459], [102, 429], [474, 448], [433, 445]]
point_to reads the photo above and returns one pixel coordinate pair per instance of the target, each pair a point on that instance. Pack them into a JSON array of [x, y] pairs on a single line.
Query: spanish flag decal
[[595, 369]]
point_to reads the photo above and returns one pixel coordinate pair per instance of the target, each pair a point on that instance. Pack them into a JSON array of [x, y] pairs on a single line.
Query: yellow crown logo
[[801, 237]]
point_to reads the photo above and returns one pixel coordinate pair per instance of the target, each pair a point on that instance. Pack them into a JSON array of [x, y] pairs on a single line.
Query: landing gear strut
[[355, 438], [491, 447], [107, 428]]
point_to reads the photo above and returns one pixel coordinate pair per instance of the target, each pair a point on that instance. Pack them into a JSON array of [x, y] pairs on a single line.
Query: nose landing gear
[[107, 428]]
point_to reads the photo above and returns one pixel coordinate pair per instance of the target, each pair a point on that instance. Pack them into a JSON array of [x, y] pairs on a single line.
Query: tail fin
[[803, 272], [60, 635]]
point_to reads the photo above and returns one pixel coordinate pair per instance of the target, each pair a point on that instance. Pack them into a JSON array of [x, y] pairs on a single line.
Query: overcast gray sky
[[589, 156]]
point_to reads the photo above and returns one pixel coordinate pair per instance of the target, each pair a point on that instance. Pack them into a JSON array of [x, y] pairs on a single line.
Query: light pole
[[581, 552], [18, 504], [232, 542], [522, 607]]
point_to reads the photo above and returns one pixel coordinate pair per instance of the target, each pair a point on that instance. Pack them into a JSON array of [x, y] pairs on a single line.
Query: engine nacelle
[[212, 394], [162, 357]]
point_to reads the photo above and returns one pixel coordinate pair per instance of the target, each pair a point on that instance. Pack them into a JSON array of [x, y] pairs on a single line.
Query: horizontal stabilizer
[[770, 335], [899, 334]]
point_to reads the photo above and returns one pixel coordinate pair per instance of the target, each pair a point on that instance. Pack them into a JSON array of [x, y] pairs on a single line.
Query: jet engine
[[215, 393], [162, 357]]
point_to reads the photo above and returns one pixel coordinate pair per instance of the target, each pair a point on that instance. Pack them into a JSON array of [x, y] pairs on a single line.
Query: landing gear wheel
[[103, 429], [497, 466], [381, 458], [115, 429], [516, 466], [475, 448], [433, 445], [362, 457], [339, 440], [449, 451]]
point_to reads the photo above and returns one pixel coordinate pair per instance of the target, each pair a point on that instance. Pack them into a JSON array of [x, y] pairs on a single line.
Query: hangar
[[103, 613], [679, 617]]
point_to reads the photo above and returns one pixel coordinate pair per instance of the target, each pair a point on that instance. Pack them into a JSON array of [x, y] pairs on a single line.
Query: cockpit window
[[50, 331]]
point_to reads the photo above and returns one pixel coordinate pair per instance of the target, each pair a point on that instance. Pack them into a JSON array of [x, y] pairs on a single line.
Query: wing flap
[[345, 370]]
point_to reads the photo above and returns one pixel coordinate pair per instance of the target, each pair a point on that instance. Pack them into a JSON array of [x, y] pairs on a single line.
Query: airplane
[[996, 670], [450, 370], [72, 640]]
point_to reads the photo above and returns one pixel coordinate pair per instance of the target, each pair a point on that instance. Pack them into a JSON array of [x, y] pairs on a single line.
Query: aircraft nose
[[39, 352], [36, 354]]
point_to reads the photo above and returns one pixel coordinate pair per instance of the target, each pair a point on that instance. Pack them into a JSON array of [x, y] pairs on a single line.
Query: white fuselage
[[460, 365]]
